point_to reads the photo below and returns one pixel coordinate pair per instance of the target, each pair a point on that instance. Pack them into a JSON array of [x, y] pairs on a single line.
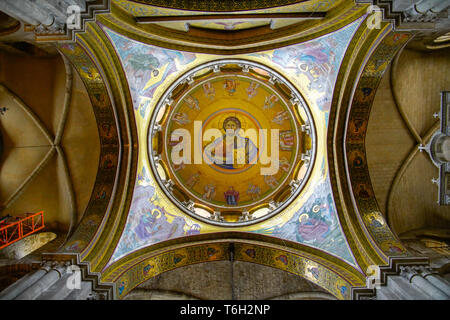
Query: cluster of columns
[[53, 281], [414, 283], [422, 10], [48, 16]]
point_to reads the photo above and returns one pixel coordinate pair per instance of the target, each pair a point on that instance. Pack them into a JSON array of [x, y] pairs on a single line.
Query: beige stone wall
[[403, 187], [40, 83]]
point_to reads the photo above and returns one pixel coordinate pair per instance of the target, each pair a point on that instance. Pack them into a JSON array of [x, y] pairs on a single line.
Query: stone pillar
[[25, 282], [411, 274], [425, 10], [58, 291], [18, 14], [27, 11], [405, 278], [402, 5], [84, 293], [444, 4], [425, 5], [48, 16], [58, 270], [436, 280], [402, 288]]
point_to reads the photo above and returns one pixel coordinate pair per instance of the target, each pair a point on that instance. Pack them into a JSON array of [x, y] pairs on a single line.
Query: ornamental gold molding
[[356, 162], [361, 218], [102, 246], [364, 42], [107, 87], [109, 146]]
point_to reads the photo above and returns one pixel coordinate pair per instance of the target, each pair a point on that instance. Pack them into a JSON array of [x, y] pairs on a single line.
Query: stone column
[[58, 291], [48, 16], [27, 11], [425, 5], [435, 279], [58, 270], [411, 274], [403, 289], [81, 294], [25, 282], [425, 10], [444, 4]]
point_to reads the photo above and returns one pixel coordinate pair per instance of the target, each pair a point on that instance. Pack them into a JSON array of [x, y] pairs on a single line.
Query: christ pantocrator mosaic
[[231, 142]]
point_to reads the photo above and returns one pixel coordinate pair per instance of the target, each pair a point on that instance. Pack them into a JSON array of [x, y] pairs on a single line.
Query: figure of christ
[[231, 151]]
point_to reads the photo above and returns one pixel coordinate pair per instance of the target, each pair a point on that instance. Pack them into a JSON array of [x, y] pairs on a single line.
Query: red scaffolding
[[12, 231]]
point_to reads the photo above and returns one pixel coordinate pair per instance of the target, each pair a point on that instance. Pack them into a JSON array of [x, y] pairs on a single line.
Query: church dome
[[231, 142]]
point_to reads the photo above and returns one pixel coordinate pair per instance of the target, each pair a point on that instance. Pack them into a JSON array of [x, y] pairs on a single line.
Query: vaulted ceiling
[[50, 140], [76, 142], [402, 119]]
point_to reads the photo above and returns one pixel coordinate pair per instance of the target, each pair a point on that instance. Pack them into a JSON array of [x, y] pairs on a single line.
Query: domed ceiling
[[230, 132], [233, 145], [180, 96]]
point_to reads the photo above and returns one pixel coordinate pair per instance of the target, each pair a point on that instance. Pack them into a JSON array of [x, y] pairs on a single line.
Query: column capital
[[54, 20], [46, 265], [408, 272], [426, 271]]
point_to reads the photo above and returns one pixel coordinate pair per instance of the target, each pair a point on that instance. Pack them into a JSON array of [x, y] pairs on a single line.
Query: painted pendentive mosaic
[[312, 68]]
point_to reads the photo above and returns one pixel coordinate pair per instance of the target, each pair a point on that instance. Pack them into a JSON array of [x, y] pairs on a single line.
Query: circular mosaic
[[231, 142]]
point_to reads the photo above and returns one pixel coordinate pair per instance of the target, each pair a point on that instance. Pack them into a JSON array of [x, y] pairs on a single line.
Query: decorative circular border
[[214, 65]]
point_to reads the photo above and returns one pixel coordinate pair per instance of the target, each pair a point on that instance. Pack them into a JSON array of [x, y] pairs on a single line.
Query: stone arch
[[323, 269]]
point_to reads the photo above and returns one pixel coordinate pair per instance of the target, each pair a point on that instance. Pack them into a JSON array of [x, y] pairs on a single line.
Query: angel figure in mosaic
[[209, 90], [269, 102], [271, 181], [280, 117], [254, 191], [181, 118], [252, 90], [210, 192]]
